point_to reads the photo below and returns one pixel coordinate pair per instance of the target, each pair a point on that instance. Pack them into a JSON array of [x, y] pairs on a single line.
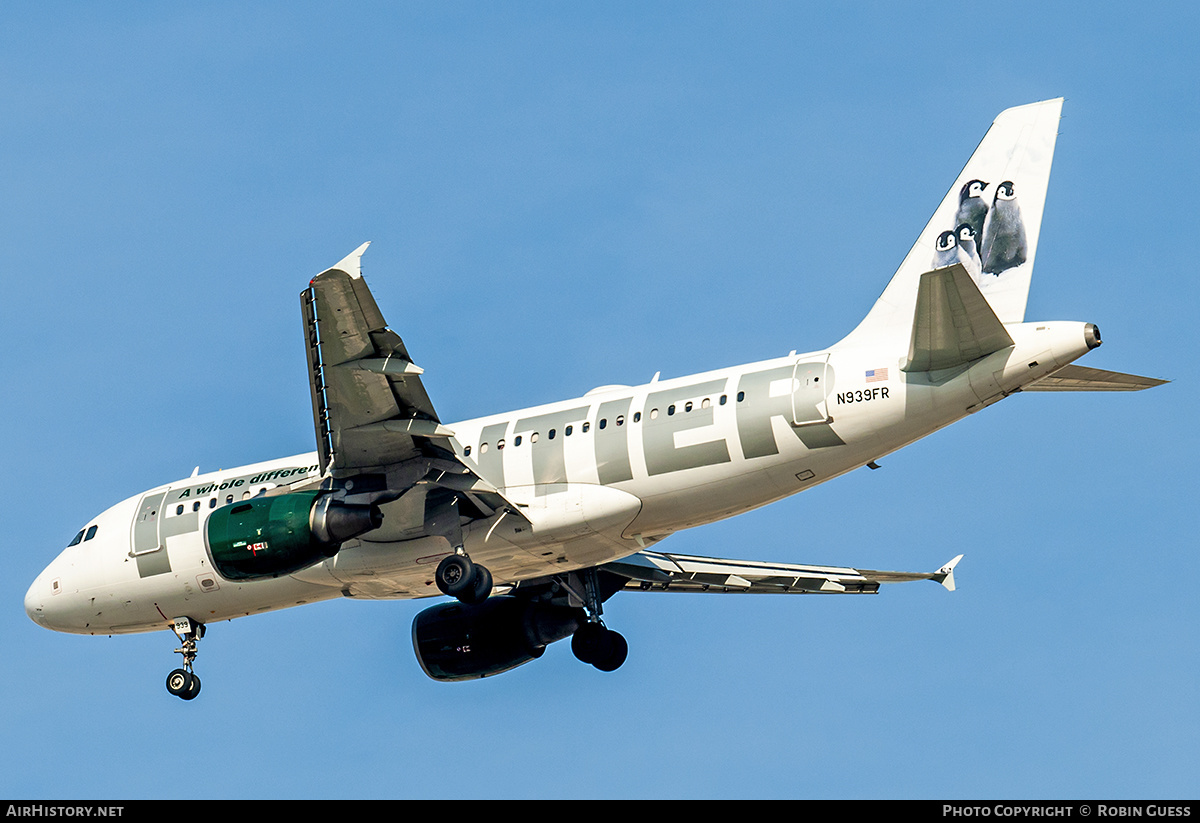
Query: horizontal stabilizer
[[953, 323], [1081, 378]]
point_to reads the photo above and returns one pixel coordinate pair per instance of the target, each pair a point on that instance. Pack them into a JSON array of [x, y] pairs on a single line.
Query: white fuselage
[[597, 477]]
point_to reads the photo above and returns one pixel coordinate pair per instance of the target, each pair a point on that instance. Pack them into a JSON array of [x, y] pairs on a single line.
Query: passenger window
[[552, 433], [706, 403], [196, 506], [517, 440], [654, 414], [179, 509], [467, 451], [741, 396], [500, 443], [483, 448], [587, 427], [90, 533], [620, 420], [212, 504], [670, 410], [688, 407], [637, 416], [228, 499], [723, 399], [568, 431], [603, 422]]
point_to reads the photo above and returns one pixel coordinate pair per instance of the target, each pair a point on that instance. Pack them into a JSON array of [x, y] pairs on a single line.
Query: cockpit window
[[84, 534]]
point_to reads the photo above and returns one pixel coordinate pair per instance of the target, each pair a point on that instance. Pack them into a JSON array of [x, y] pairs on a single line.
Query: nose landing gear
[[184, 683]]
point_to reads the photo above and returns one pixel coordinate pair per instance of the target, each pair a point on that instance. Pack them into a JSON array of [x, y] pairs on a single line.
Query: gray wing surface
[[1082, 378], [658, 571], [369, 404], [371, 412]]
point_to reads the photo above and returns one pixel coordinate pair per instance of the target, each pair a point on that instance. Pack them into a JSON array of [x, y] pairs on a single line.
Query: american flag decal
[[876, 375]]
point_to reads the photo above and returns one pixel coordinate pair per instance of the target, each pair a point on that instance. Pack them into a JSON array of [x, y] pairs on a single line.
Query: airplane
[[531, 520]]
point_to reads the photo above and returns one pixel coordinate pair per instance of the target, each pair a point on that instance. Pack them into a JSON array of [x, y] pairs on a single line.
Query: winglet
[[945, 575], [351, 264]]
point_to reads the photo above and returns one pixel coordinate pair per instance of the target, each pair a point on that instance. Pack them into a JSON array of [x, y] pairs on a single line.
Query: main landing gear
[[463, 580], [593, 642], [184, 683], [600, 646]]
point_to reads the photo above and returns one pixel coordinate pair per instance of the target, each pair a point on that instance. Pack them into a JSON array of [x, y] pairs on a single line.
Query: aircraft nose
[[33, 602], [44, 602]]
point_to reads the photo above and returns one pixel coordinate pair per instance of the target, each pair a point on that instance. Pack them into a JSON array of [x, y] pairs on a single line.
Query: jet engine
[[270, 536], [455, 641]]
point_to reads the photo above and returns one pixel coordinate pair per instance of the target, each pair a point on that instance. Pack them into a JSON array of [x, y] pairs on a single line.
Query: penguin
[[970, 250], [1004, 243], [972, 208], [947, 252]]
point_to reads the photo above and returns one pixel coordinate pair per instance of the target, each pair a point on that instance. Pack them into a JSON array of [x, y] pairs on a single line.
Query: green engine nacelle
[[270, 536]]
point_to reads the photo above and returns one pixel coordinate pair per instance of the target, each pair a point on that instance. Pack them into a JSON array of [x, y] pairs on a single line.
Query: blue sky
[[562, 196]]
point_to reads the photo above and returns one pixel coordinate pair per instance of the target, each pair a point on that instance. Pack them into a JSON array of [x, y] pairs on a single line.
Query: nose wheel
[[184, 683]]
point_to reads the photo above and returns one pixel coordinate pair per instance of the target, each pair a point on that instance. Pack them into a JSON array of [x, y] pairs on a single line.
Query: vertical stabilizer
[[989, 223]]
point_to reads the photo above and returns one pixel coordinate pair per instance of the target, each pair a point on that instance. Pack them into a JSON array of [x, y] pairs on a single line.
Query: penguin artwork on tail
[[972, 207], [968, 244], [957, 247], [1004, 243]]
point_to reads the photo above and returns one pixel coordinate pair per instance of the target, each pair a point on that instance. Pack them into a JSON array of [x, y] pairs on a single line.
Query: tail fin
[[988, 222]]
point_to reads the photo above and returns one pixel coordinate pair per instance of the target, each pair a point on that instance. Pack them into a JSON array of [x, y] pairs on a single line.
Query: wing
[[373, 417], [658, 571], [369, 404]]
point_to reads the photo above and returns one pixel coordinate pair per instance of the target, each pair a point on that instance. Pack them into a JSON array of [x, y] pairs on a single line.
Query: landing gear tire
[[601, 647], [455, 575], [467, 582], [618, 650], [482, 588], [179, 682], [590, 642], [183, 684], [193, 688]]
